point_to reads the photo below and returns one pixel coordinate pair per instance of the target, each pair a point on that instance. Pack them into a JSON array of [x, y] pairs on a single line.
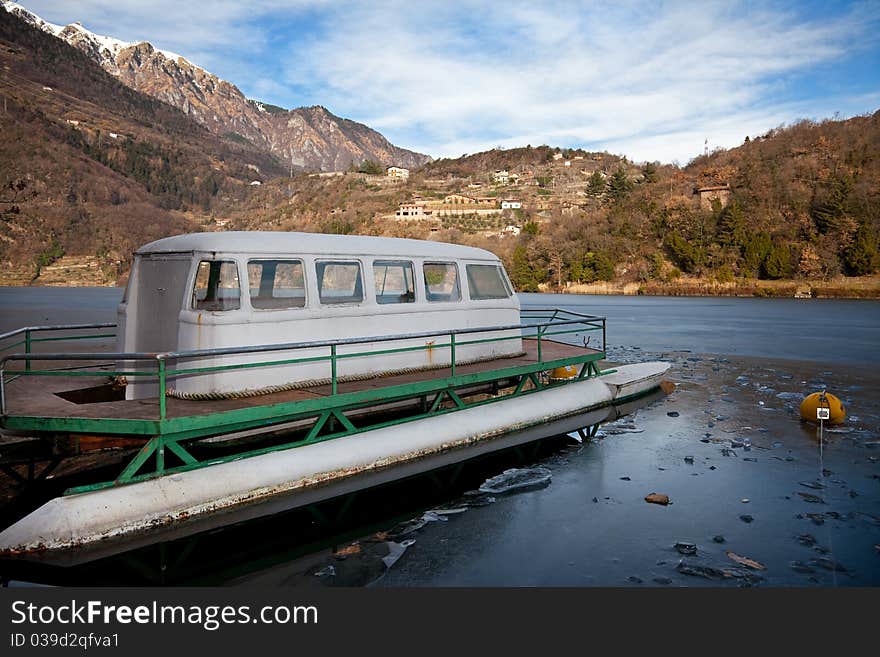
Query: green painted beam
[[218, 422], [195, 426], [308, 441], [81, 425]]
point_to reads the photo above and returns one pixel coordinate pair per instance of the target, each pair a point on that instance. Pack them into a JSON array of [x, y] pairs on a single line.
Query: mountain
[[90, 168], [310, 138]]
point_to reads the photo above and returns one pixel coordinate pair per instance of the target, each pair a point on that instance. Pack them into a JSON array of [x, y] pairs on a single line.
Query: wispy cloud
[[651, 80]]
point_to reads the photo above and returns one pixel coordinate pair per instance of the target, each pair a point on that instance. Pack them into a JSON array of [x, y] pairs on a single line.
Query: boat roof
[[273, 242]]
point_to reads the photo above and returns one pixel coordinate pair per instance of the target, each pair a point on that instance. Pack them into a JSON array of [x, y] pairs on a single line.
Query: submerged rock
[[517, 479], [686, 548]]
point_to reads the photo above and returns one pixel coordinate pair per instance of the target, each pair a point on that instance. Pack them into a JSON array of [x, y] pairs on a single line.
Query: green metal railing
[[329, 414], [29, 340]]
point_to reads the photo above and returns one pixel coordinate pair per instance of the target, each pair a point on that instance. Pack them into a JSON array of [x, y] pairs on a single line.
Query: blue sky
[[649, 80]]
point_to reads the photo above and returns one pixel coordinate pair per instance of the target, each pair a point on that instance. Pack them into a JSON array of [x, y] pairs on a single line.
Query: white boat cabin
[[233, 289]]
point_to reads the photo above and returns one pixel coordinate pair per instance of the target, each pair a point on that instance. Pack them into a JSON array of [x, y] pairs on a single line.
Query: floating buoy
[[563, 373], [825, 400]]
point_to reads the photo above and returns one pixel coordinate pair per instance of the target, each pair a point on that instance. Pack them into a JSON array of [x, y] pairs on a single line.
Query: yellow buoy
[[563, 373], [825, 400]]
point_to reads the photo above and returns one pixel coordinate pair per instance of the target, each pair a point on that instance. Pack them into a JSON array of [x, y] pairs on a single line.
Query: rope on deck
[[298, 385]]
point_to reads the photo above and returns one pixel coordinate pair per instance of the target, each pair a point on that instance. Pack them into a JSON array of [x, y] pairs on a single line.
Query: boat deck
[[38, 396]]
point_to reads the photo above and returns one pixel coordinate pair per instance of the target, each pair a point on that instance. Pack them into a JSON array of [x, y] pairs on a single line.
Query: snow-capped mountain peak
[[98, 46], [30, 18], [306, 137]]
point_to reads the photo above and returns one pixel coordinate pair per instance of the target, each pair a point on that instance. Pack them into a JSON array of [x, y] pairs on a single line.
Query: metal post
[[27, 349], [333, 368], [603, 337], [161, 388], [540, 332], [452, 351], [3, 389], [160, 455]]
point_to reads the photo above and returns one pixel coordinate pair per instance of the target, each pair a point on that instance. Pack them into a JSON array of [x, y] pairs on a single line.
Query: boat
[[259, 369]]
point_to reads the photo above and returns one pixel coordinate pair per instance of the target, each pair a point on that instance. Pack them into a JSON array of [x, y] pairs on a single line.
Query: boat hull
[[308, 474]]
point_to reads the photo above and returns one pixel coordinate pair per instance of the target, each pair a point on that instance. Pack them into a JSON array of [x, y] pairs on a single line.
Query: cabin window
[[216, 286], [276, 284], [487, 282], [441, 281], [394, 281], [339, 282]]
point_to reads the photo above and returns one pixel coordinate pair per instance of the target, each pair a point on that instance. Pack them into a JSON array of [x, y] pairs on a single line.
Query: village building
[[511, 231], [397, 172], [511, 204], [501, 177], [412, 211], [557, 156], [711, 193]]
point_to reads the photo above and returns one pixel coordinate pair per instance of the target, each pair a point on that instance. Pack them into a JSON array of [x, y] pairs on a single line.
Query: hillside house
[[511, 204], [511, 231], [711, 193], [412, 211], [557, 156], [397, 172], [501, 177]]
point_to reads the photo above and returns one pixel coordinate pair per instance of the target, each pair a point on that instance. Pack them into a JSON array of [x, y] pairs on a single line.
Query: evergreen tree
[[732, 226], [683, 253], [778, 262], [523, 275], [755, 250], [371, 167], [649, 171], [618, 185], [830, 206], [861, 257], [596, 185]]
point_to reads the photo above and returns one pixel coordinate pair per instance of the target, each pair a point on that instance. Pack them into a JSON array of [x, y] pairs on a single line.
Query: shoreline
[[778, 290], [865, 287]]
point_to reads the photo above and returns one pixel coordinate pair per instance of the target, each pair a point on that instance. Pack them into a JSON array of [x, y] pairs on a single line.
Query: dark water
[[726, 443], [825, 330]]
